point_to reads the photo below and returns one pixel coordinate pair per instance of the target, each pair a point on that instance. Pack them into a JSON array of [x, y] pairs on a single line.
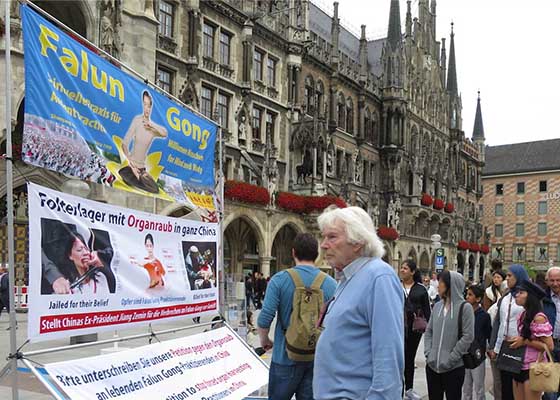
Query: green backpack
[[302, 334]]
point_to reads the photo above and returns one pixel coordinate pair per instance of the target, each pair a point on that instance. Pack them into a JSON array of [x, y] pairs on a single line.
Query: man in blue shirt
[[287, 377], [360, 354]]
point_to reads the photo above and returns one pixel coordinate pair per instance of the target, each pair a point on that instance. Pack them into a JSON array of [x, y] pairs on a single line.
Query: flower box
[[485, 249], [386, 233], [463, 245], [439, 204], [426, 200], [307, 204], [474, 247], [291, 202], [449, 208], [246, 193]]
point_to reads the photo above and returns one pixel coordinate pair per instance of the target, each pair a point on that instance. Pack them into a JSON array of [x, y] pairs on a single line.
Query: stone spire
[[408, 18], [478, 129], [452, 87], [443, 62], [335, 31], [394, 33], [363, 56]]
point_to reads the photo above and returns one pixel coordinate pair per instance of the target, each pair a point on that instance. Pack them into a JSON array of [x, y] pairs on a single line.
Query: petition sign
[[208, 366]]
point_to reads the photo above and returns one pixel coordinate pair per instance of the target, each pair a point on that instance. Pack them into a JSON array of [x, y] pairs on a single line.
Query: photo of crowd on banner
[[75, 261], [200, 262], [59, 147]]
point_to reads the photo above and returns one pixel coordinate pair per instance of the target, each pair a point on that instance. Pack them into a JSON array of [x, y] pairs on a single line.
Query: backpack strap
[[318, 281], [295, 278], [460, 327]]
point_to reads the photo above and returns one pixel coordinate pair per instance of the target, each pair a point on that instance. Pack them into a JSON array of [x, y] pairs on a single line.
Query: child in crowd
[[473, 388]]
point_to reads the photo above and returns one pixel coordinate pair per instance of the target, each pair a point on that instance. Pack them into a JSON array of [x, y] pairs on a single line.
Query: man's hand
[[61, 286], [266, 343], [491, 354], [93, 260]]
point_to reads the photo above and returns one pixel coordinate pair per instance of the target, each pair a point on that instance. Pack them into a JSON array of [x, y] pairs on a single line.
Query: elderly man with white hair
[[551, 305], [360, 353]]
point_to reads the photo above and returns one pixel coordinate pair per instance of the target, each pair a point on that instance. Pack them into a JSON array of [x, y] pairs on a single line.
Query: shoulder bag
[[544, 376], [510, 360]]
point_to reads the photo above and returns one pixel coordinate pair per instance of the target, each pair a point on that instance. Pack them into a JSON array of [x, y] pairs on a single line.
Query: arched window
[[368, 134], [309, 94], [320, 96], [349, 115], [341, 111]]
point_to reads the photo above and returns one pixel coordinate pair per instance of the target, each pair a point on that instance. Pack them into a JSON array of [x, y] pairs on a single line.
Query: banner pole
[[115, 60], [222, 287], [55, 393], [10, 202]]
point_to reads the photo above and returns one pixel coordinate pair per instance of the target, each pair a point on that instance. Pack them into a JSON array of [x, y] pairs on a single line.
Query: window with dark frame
[[225, 45], [542, 229], [543, 187], [499, 210], [208, 40], [271, 72], [223, 110], [520, 187], [498, 230], [543, 208], [257, 115], [499, 189], [206, 101], [166, 11], [258, 65], [520, 209], [165, 79], [519, 230]]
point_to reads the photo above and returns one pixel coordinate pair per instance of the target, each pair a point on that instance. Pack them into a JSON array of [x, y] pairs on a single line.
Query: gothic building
[[305, 107]]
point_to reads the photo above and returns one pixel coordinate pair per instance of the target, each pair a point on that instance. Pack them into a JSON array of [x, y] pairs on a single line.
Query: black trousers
[[411, 342], [448, 383], [507, 385]]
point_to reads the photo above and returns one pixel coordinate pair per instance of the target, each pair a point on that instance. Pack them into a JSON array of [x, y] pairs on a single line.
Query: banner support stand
[[10, 202], [43, 380]]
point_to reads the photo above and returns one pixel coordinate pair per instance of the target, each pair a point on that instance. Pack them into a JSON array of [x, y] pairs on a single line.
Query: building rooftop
[[543, 155]]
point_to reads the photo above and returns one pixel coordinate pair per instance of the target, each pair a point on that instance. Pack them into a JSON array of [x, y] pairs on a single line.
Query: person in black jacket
[[416, 306]]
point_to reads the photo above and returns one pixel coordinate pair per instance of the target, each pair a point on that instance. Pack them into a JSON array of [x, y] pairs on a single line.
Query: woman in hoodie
[[416, 305], [504, 326], [444, 345]]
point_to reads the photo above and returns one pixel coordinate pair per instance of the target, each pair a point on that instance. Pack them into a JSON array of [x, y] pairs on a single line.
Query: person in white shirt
[[505, 324]]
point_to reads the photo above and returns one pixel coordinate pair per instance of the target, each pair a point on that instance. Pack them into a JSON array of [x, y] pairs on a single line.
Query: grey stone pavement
[[31, 388]]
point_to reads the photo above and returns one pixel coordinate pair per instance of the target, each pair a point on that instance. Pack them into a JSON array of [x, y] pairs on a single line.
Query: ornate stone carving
[[110, 24]]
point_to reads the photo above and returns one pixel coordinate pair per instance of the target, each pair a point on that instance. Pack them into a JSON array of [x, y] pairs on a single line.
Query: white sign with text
[[210, 365]]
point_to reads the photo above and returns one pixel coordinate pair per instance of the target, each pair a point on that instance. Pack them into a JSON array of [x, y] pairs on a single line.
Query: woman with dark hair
[[495, 291], [535, 332], [416, 306], [151, 263], [444, 345], [82, 267]]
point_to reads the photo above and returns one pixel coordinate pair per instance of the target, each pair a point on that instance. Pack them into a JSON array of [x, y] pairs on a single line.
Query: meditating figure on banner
[[141, 134], [193, 262], [151, 264], [82, 267]]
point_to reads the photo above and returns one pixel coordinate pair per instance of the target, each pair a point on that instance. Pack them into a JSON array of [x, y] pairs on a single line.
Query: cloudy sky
[[507, 49]]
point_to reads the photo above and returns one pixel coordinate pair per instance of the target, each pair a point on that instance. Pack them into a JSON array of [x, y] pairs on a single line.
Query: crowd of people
[[64, 152], [255, 289], [358, 338]]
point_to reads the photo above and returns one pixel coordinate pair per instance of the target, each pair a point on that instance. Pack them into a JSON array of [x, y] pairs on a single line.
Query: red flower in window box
[[449, 208], [291, 202], [246, 193], [319, 203], [474, 247], [386, 233], [485, 249], [439, 204], [426, 200], [463, 245]]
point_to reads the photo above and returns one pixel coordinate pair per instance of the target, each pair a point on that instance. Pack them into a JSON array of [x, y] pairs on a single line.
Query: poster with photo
[[94, 266]]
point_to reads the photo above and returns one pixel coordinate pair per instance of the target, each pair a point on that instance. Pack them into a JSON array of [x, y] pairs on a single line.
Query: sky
[[504, 48]]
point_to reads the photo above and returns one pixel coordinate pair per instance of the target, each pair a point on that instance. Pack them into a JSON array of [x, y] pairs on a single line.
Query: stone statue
[[444, 193], [391, 213], [358, 171], [453, 236], [375, 215], [21, 210], [242, 127], [330, 161], [420, 182], [110, 22], [272, 189]]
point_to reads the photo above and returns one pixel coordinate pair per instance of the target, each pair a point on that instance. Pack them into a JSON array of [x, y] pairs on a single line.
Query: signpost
[[440, 252]]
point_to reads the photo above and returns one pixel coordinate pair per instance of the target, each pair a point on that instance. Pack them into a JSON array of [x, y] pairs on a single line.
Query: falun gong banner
[[95, 266], [86, 118]]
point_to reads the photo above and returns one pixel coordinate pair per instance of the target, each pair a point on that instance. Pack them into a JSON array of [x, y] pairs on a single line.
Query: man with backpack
[[297, 295]]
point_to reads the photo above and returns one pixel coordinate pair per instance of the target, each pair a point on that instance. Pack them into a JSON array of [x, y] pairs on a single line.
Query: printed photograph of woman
[[153, 266]]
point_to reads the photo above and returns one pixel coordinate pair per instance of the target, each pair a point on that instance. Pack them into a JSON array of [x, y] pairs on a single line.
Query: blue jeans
[[286, 380]]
